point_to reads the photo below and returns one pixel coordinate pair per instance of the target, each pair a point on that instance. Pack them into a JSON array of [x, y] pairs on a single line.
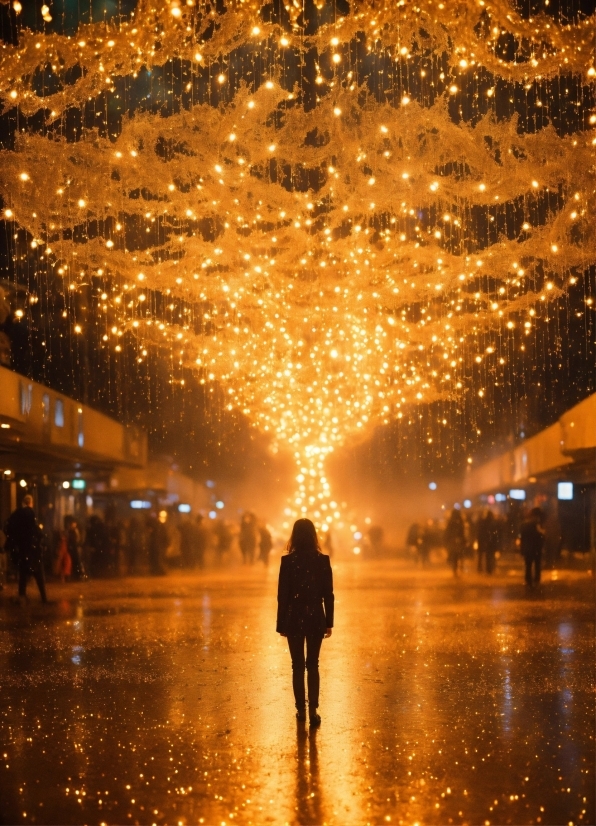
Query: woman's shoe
[[315, 720]]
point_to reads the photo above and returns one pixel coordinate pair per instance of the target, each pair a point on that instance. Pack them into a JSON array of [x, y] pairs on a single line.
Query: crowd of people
[[486, 536], [108, 545]]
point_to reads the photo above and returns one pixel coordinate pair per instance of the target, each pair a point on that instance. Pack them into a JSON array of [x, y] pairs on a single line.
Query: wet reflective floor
[[169, 701]]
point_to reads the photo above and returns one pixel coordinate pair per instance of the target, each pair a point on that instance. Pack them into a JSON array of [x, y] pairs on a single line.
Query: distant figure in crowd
[[223, 538], [305, 604], [115, 530], [424, 543], [455, 540], [135, 544], [413, 538], [73, 543], [531, 542], [187, 549], [265, 544], [193, 542], [158, 542], [487, 537], [553, 538], [248, 537], [62, 561], [98, 543], [200, 540], [376, 535], [25, 541]]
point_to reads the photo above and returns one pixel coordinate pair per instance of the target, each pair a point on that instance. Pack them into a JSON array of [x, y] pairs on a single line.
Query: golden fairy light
[[338, 254]]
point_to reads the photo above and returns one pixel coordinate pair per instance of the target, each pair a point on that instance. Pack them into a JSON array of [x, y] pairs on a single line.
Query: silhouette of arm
[[328, 597], [283, 597]]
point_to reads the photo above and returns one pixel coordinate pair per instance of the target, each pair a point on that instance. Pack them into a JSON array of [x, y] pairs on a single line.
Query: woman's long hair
[[304, 538]]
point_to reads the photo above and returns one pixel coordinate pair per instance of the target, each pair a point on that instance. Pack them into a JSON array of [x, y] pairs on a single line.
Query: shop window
[[80, 431], [45, 407], [26, 398], [59, 413]]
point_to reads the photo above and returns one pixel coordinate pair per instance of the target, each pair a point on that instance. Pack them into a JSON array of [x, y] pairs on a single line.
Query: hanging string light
[[348, 199]]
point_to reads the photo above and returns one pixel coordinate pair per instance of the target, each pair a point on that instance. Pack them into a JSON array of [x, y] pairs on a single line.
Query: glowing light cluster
[[336, 250]]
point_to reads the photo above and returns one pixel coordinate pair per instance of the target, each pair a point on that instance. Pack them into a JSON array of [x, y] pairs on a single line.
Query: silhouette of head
[[28, 501], [304, 537]]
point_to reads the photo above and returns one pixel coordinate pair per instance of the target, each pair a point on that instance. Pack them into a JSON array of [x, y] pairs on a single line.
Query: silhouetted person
[[115, 531], [187, 543], [305, 586], [62, 565], [424, 543], [223, 538], [248, 537], [487, 536], [531, 542], [553, 538], [455, 540], [413, 537], [200, 540], [158, 545], [25, 540], [73, 544], [135, 543], [265, 544], [98, 541]]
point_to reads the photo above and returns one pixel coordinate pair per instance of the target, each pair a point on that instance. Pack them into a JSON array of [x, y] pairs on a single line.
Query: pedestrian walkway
[[170, 701]]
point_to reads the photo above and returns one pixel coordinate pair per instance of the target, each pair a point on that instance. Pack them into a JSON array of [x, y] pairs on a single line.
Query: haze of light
[[333, 236]]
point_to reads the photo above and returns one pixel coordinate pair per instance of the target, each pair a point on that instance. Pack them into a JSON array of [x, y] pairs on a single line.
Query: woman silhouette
[[305, 585]]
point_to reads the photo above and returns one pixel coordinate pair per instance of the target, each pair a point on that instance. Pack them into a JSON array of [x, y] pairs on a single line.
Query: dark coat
[[487, 534], [531, 539], [23, 535], [455, 537], [305, 586]]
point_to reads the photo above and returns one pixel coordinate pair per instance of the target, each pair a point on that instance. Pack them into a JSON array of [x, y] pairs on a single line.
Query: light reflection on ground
[[169, 701]]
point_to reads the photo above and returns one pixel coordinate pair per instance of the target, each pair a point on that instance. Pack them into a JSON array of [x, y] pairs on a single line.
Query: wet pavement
[[169, 701]]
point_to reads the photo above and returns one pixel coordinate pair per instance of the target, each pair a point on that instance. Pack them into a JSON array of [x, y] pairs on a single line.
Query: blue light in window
[[59, 413]]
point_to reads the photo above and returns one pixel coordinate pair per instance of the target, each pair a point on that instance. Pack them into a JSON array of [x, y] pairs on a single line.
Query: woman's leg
[[313, 647], [296, 644]]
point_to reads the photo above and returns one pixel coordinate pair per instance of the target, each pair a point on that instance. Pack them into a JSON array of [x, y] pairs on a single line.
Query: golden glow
[[328, 308]]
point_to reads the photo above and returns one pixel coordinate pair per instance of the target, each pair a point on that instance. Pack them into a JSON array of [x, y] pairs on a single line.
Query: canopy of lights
[[343, 202]]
